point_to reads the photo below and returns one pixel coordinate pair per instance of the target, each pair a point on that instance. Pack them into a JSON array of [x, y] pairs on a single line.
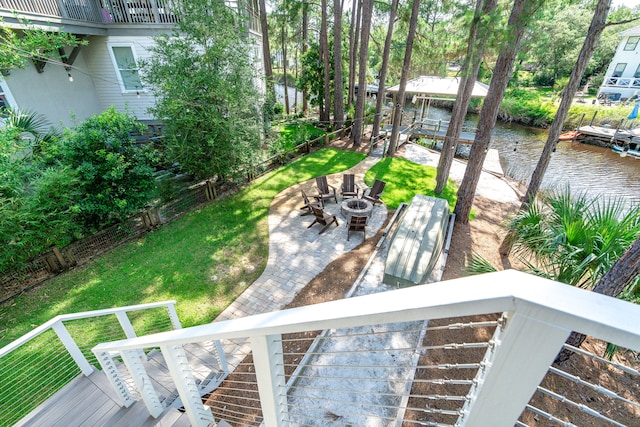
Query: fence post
[[210, 190], [72, 348], [326, 139], [269, 364], [59, 257], [307, 147], [146, 220]]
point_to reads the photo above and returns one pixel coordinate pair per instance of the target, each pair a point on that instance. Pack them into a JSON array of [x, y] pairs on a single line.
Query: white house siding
[[52, 94], [626, 85], [105, 75]]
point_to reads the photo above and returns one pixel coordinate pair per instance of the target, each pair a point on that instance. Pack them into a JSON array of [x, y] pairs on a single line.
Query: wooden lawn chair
[[357, 223], [317, 202], [325, 191], [375, 192], [323, 218], [349, 188]]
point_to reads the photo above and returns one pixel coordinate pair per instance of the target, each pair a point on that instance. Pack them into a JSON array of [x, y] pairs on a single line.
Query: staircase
[[366, 360]]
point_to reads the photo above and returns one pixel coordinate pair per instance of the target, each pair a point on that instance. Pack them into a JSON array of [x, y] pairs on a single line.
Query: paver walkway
[[297, 253]]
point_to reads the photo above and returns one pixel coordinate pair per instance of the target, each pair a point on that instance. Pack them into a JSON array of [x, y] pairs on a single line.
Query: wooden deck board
[[92, 401]]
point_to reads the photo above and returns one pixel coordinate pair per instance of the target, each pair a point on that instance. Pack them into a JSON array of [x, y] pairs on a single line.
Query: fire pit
[[355, 207]]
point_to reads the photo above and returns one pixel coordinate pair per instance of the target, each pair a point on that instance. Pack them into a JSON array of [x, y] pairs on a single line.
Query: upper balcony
[[97, 16]]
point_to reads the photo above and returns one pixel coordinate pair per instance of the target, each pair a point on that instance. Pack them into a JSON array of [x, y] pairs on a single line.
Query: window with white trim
[[617, 72], [6, 101], [632, 42], [125, 62]]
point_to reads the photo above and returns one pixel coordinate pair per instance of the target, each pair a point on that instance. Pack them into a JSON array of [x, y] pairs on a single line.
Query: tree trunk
[[520, 14], [478, 35], [612, 283], [325, 113], [383, 71], [284, 61], [358, 119], [397, 112], [338, 89], [593, 35], [305, 38], [353, 48], [266, 53]]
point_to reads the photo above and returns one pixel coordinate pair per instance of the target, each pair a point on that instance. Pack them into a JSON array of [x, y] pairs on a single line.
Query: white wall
[[105, 75], [52, 94]]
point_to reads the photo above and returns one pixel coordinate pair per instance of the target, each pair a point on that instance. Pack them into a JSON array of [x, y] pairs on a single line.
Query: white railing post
[[269, 364], [220, 357], [518, 359], [72, 348], [155, 11], [111, 371], [143, 383], [178, 364], [173, 316], [126, 325]]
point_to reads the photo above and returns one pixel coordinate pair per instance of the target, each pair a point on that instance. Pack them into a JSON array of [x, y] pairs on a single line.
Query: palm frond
[[478, 265]]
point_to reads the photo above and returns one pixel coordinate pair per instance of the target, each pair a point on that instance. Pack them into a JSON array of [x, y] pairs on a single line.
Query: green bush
[[528, 107], [35, 198], [115, 175]]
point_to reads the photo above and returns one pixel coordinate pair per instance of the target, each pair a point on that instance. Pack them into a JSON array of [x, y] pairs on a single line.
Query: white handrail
[[539, 315], [75, 316], [569, 307]]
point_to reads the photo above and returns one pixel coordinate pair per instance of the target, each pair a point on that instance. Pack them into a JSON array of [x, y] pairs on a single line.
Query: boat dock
[[430, 129], [605, 136]]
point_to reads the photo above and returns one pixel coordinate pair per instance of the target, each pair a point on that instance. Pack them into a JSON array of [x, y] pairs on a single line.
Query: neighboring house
[[91, 78], [622, 80]]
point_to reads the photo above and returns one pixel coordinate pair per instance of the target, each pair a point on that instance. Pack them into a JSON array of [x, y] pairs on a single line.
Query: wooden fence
[[58, 260]]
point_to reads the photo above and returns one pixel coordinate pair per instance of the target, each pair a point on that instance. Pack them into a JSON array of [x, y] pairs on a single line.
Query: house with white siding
[[622, 80], [86, 80]]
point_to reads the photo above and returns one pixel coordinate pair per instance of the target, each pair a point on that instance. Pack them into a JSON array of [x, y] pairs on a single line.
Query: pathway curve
[[297, 253]]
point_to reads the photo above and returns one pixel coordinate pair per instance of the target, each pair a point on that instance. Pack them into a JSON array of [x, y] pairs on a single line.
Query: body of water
[[582, 167]]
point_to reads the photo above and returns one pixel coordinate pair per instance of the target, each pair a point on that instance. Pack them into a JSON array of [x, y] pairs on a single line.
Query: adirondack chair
[[323, 218], [349, 188], [308, 203], [375, 192], [325, 191], [357, 223]]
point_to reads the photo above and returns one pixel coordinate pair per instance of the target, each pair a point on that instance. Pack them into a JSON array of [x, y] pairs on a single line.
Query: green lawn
[[405, 179], [203, 260]]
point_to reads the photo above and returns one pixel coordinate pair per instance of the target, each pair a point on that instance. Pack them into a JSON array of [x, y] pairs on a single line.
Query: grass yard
[[203, 260], [405, 179], [292, 134]]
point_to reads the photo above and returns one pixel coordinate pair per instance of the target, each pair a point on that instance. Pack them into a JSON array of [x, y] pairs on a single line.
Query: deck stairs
[[103, 407]]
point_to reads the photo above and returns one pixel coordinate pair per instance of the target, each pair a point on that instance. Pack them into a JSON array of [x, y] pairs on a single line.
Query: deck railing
[[631, 82], [381, 360], [35, 366], [98, 11]]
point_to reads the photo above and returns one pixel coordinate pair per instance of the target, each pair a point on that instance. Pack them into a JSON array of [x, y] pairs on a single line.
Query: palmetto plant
[[574, 239]]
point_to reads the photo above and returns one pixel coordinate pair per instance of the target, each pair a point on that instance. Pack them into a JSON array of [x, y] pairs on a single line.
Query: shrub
[[115, 175]]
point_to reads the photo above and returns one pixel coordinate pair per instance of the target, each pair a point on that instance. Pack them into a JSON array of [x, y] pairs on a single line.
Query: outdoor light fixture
[[70, 76], [137, 94]]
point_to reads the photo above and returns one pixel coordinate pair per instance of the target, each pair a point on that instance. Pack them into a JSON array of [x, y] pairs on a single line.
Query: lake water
[[584, 168]]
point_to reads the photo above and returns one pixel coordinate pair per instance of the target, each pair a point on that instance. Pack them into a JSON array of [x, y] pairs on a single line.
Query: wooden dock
[[434, 131], [606, 136]]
